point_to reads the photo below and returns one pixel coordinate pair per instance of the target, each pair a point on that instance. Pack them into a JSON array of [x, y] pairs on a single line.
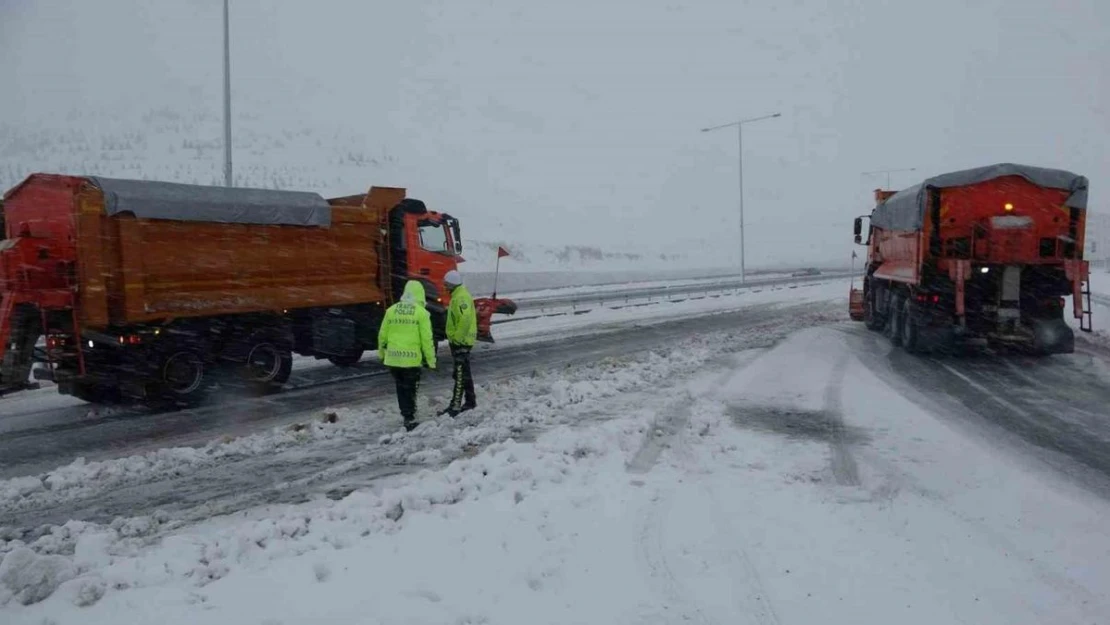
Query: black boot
[[410, 425]]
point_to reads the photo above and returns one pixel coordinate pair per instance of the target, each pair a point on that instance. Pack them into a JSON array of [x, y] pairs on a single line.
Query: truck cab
[[423, 245]]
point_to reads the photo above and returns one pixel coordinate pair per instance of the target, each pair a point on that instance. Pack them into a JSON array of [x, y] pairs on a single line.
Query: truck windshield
[[433, 237]]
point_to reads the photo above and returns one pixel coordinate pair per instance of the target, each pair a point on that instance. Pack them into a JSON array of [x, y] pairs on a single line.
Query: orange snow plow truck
[[981, 256], [150, 291]]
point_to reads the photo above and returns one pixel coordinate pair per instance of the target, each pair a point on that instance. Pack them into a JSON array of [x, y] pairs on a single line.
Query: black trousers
[[408, 384], [464, 380]]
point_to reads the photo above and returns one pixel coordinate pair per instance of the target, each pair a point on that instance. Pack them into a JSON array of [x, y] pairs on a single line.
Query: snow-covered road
[[727, 478], [40, 430], [745, 458], [228, 474]]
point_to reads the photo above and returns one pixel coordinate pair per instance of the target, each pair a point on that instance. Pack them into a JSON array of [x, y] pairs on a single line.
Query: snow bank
[[518, 405], [439, 441], [130, 554]]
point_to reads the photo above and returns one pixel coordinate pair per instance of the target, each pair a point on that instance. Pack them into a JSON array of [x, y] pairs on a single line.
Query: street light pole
[[227, 97], [740, 177], [740, 144]]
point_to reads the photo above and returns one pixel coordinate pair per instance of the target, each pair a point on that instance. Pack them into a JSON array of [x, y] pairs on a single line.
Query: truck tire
[[894, 321], [181, 378], [347, 360], [269, 363], [1052, 336], [911, 334], [873, 320]]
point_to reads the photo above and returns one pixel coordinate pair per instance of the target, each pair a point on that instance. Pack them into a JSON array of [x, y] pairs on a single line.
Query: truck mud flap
[[22, 331], [1052, 336]]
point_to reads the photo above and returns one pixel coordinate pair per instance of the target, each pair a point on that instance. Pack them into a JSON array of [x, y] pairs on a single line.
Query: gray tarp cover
[[905, 210], [186, 202]]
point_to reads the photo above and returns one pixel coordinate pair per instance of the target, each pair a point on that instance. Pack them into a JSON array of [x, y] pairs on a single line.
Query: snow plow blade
[[486, 308], [855, 305]]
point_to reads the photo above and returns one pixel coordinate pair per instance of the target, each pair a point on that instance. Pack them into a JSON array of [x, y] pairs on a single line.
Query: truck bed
[[130, 269]]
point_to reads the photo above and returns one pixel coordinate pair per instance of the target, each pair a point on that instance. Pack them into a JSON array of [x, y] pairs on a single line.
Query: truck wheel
[[871, 319], [894, 321], [1052, 336], [181, 377], [346, 360], [269, 364], [911, 336]]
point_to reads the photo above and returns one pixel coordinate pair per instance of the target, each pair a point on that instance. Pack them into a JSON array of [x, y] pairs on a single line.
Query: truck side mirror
[[858, 229]]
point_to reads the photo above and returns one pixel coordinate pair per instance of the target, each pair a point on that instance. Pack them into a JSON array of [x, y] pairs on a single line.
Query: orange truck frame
[[984, 255], [150, 290]]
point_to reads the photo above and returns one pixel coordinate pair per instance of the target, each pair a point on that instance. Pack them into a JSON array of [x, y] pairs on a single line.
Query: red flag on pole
[[502, 252]]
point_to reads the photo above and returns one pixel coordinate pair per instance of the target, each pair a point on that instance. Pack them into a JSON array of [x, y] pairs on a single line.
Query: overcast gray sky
[[577, 121]]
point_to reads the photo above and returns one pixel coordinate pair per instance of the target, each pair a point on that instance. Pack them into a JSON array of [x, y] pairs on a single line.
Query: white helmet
[[452, 279]]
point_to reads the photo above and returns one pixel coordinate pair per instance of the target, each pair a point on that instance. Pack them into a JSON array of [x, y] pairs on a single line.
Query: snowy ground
[[792, 470], [282, 463], [564, 320], [715, 483], [559, 322]]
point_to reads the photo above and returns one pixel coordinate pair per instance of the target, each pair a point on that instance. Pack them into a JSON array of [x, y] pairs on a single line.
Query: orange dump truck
[[984, 255], [152, 290]]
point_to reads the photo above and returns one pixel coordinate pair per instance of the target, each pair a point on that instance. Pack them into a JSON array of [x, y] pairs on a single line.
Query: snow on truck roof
[[905, 210], [188, 202]]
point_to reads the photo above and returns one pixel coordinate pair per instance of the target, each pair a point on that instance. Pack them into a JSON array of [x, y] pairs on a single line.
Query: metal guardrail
[[578, 303]]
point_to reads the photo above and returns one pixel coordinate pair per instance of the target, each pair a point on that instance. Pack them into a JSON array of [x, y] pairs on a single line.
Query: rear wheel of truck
[[346, 360], [872, 320], [181, 378], [911, 335], [894, 320], [269, 364]]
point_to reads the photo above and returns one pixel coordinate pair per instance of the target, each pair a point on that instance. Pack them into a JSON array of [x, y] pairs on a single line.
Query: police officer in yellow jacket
[[405, 344], [462, 331]]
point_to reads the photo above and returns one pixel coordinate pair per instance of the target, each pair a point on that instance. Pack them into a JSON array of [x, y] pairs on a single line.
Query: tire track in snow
[[913, 383], [844, 468], [662, 431], [676, 415], [749, 595], [652, 555], [746, 579], [1060, 423]]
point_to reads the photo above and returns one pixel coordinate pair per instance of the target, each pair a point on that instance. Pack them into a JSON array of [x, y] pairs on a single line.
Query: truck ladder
[[1085, 322]]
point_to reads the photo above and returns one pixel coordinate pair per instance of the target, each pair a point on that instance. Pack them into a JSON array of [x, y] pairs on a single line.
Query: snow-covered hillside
[[167, 144]]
